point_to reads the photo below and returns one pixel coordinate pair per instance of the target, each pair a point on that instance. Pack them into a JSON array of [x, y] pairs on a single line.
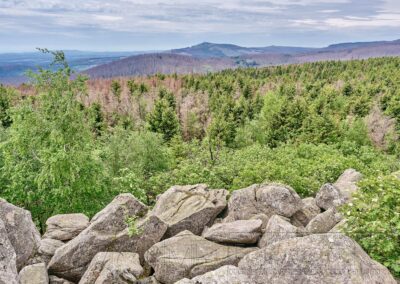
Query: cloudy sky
[[126, 25]]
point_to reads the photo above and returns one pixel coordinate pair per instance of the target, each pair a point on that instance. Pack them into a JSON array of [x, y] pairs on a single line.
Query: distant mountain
[[201, 58], [210, 50], [211, 57]]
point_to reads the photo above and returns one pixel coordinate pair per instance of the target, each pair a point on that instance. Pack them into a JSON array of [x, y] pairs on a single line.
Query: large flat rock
[[187, 255], [322, 258], [267, 199], [236, 232], [65, 227], [189, 207], [108, 232]]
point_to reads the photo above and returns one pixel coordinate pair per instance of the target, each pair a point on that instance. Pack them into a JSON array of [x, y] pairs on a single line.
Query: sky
[[139, 25]]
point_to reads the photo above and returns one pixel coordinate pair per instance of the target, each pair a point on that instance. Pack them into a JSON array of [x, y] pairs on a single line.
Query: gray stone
[[34, 274], [187, 255], [189, 208], [329, 196], [113, 268], [324, 222], [309, 210], [347, 183], [268, 199], [8, 259], [147, 280], [339, 193], [21, 231], [56, 280], [227, 274], [326, 258], [279, 229], [65, 227], [49, 246], [108, 232], [237, 232]]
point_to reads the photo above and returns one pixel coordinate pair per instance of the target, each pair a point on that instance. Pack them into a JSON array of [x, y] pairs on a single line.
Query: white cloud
[[194, 16]]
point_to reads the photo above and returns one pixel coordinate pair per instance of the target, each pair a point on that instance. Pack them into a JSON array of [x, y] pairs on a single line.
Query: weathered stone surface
[[46, 251], [49, 246], [324, 222], [189, 207], [326, 258], [8, 259], [56, 280], [113, 268], [187, 255], [329, 196], [108, 232], [65, 227], [21, 231], [279, 229], [334, 195], [237, 232], [227, 274], [338, 228], [34, 274], [269, 199], [347, 183], [147, 280], [309, 210]]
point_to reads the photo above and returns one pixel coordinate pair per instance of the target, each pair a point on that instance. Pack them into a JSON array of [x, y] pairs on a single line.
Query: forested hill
[[211, 57], [72, 145]]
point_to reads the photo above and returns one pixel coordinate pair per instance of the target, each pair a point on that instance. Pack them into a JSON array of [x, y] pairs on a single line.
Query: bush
[[373, 219]]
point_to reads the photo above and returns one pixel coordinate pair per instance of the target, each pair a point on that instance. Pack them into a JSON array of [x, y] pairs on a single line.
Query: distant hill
[[209, 50], [149, 64], [211, 57], [201, 58]]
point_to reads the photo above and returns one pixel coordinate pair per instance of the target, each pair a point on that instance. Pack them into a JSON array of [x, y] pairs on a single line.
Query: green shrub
[[373, 219]]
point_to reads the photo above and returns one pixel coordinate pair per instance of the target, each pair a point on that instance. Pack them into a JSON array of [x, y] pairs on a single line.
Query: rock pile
[[193, 235]]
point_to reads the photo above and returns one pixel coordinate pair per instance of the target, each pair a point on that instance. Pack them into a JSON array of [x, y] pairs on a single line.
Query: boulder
[[347, 183], [268, 199], [339, 193], [8, 259], [189, 208], [187, 255], [309, 210], [237, 232], [21, 231], [108, 232], [325, 258], [227, 274], [48, 248], [34, 274], [279, 229], [113, 268], [147, 280], [324, 222], [56, 280], [329, 196], [65, 227]]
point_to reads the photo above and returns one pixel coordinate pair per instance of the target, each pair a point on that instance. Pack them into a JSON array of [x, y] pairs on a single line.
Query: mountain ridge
[[211, 57]]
